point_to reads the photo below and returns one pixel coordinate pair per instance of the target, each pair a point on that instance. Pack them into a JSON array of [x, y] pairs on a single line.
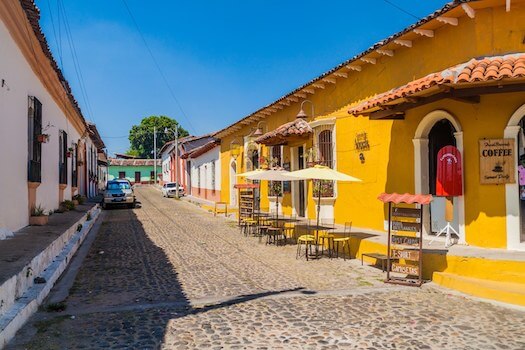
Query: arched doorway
[[436, 130], [233, 182], [515, 207]]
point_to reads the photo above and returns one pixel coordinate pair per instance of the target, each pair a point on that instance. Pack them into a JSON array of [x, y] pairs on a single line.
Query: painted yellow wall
[[389, 164]]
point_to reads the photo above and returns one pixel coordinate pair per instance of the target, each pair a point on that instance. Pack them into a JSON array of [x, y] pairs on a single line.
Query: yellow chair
[[344, 241], [308, 241], [324, 236]]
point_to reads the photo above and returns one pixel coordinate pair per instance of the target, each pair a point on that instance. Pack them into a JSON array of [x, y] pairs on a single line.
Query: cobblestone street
[[169, 275]]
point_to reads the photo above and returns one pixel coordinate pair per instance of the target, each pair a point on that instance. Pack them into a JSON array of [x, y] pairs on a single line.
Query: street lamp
[[176, 132]]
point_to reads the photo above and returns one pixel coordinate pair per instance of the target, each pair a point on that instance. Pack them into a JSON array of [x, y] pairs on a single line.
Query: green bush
[[68, 205], [38, 211], [79, 198]]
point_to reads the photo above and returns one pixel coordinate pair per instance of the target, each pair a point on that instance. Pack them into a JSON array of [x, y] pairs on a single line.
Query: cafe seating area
[[314, 241]]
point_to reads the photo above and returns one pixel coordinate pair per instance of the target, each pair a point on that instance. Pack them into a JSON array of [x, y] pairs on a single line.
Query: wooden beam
[[425, 32], [468, 10], [355, 67], [329, 80], [292, 98], [318, 85], [406, 43], [467, 95], [385, 52], [284, 102], [309, 91], [448, 20], [341, 75], [368, 60], [300, 95], [278, 106]]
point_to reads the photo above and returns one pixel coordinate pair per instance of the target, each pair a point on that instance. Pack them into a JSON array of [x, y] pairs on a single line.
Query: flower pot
[[42, 138], [38, 220], [75, 202], [68, 154]]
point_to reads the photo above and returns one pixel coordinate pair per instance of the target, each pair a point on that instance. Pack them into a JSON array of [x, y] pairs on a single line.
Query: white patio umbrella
[[274, 174], [321, 172]]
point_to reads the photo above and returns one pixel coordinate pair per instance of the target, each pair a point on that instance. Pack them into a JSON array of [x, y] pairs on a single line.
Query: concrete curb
[[25, 306]]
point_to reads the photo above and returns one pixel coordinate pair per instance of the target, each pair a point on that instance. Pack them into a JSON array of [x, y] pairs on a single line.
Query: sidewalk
[[38, 251]]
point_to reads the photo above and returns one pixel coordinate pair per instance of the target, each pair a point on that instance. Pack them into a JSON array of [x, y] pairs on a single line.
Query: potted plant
[[42, 138], [69, 152], [38, 216], [67, 205], [78, 199]]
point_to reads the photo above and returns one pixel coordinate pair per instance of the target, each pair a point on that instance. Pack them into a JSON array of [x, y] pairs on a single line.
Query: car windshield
[[171, 185], [118, 186]]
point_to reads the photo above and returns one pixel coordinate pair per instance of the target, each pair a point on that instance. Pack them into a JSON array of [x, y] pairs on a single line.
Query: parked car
[[118, 192], [169, 189]]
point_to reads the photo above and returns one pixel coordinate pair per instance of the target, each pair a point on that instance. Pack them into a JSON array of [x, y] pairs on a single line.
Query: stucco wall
[[21, 82], [145, 172], [203, 165], [389, 164]]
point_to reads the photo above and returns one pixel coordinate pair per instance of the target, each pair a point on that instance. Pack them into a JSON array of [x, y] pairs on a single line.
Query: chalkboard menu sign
[[405, 237]]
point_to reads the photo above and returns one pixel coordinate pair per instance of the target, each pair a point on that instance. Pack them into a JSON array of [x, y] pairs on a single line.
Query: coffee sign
[[496, 161]]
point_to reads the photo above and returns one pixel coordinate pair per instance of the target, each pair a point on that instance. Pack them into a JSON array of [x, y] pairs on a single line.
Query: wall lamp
[[235, 148], [259, 131], [301, 113]]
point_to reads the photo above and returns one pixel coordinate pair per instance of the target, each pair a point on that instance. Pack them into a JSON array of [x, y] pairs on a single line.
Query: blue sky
[[223, 59]]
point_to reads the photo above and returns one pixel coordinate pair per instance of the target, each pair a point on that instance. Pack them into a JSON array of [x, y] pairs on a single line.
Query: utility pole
[[155, 154], [177, 159]]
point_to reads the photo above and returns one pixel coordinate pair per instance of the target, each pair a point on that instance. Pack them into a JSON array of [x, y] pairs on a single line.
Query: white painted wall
[[203, 164], [21, 82], [166, 165]]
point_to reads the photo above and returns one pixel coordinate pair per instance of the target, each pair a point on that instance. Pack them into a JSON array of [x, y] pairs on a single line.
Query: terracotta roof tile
[[405, 198], [134, 162], [297, 127], [476, 70]]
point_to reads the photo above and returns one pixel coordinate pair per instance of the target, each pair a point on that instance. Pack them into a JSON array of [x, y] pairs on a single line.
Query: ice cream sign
[[497, 161]]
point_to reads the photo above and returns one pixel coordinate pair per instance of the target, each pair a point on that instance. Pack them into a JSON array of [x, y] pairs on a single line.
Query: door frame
[[294, 156], [421, 166], [513, 217]]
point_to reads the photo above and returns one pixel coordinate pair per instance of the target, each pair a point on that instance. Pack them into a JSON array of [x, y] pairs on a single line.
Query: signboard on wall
[[496, 161]]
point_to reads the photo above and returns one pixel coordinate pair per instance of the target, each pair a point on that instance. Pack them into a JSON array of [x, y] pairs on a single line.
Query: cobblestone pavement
[[171, 276]]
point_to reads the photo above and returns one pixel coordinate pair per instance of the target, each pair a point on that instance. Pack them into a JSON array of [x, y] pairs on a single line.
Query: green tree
[[141, 136]]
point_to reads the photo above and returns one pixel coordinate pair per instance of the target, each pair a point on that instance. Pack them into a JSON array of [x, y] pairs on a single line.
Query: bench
[[378, 256], [223, 210]]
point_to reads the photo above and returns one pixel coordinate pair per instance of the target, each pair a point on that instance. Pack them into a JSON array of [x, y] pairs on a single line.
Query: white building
[[46, 150], [167, 157], [206, 171]]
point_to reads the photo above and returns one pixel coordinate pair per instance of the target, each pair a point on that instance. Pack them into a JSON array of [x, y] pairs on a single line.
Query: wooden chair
[[344, 241]]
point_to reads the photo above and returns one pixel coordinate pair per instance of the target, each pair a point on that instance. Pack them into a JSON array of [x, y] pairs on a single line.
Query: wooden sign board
[[497, 161], [405, 269], [413, 213], [405, 240], [405, 254], [406, 226]]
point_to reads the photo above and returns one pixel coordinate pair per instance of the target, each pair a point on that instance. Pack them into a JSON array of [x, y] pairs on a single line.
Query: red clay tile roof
[[33, 16], [405, 198], [484, 70], [297, 127], [134, 162]]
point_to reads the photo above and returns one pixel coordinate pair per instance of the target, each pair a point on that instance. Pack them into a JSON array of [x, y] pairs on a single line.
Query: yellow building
[[456, 77]]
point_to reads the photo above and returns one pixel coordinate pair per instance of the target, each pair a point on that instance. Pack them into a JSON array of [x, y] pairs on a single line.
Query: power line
[[158, 66], [76, 63], [401, 9]]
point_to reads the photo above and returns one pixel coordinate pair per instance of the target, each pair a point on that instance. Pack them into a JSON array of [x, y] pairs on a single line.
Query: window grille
[[34, 145]]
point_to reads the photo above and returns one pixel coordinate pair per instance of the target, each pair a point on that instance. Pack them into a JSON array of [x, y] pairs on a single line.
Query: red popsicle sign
[[449, 181]]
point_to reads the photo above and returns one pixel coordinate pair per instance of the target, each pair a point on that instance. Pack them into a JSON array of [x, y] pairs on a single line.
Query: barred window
[[326, 148], [213, 176], [62, 157], [34, 144]]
